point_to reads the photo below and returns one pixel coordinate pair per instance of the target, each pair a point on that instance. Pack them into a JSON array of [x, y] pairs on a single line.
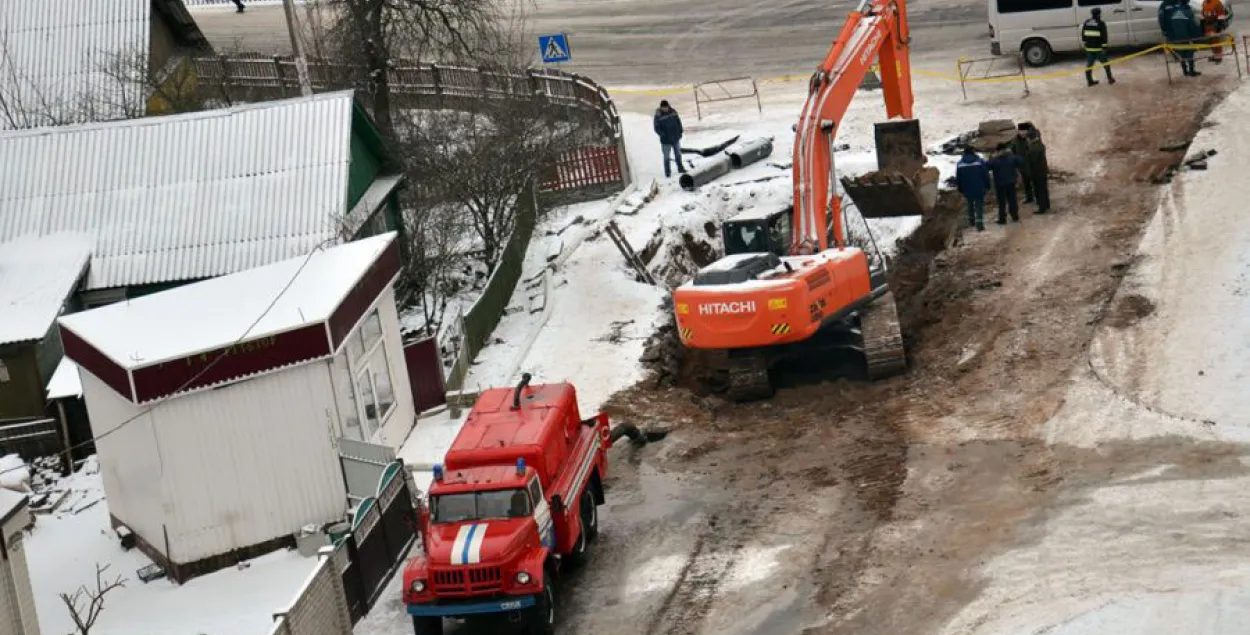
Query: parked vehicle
[[516, 496], [1040, 28]]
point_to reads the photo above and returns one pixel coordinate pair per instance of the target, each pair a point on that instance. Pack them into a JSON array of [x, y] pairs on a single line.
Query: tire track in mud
[[697, 587]]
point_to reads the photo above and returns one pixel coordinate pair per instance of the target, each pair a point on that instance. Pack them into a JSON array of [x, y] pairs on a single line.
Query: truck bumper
[[459, 609]]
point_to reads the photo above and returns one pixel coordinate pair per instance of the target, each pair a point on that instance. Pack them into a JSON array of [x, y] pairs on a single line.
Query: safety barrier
[[1214, 46], [993, 69], [730, 89]]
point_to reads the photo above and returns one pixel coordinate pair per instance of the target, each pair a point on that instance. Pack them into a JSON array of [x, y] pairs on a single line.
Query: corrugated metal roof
[[186, 196], [52, 54], [37, 274]]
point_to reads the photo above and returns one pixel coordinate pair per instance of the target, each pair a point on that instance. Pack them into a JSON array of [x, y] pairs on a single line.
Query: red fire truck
[[515, 497]]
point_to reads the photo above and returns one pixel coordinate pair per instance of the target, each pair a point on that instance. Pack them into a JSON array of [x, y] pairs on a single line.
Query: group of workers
[[1179, 26], [1024, 160]]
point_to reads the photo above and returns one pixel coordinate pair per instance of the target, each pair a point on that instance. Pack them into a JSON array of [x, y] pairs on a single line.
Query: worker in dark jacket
[[1039, 171], [1181, 28], [1020, 148], [668, 127], [1094, 41], [972, 179], [1005, 167]]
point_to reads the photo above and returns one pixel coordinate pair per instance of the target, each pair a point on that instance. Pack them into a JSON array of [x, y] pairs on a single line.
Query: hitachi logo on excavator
[[727, 308]]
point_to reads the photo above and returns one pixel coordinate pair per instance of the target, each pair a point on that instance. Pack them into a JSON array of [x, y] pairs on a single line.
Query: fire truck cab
[[515, 498]]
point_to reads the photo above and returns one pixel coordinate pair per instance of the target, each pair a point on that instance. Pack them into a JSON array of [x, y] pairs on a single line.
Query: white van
[[1040, 28]]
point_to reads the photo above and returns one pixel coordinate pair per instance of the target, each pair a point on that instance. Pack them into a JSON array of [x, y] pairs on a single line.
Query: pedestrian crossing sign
[[554, 48]]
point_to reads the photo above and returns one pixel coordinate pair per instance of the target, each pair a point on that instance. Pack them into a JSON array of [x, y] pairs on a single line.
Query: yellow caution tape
[[782, 79]]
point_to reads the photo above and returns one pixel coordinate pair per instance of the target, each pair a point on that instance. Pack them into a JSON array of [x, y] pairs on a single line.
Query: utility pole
[[301, 63]]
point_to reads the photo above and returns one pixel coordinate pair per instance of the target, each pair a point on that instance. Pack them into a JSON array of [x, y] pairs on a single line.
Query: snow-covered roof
[[216, 313], [52, 55], [37, 274], [186, 196], [65, 381]]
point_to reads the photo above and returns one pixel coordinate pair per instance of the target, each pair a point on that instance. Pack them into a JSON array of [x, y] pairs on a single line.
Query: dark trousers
[[1094, 57], [1007, 203], [976, 211], [1028, 186], [1041, 191], [239, 4], [1187, 59]]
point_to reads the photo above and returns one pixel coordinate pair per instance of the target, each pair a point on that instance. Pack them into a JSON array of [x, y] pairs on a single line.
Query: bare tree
[[85, 605]]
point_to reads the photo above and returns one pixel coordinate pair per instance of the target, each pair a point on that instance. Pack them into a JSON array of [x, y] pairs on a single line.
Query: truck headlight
[[522, 577], [417, 586]]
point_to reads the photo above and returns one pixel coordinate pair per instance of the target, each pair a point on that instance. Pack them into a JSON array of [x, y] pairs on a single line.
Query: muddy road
[[846, 507]]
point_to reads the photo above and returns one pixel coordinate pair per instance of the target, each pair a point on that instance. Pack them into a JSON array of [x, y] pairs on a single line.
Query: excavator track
[[883, 338], [749, 379]]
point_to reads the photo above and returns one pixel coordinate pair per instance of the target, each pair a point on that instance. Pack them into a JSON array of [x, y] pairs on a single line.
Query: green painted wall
[[365, 166], [22, 395]]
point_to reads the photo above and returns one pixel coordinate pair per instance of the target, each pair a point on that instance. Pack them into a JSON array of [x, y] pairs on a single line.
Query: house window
[[372, 392]]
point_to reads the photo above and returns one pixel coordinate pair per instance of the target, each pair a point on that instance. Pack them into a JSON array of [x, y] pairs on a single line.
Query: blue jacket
[[972, 177], [1006, 167], [1176, 19], [668, 126]]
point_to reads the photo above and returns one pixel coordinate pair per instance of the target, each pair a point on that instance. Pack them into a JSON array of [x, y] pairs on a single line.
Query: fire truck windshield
[[455, 508]]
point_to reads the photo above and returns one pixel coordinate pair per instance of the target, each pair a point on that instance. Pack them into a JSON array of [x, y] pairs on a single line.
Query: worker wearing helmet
[[1094, 41], [1214, 21]]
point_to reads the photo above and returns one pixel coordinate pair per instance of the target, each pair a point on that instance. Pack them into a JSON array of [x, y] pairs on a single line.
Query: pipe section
[[745, 153], [706, 172]]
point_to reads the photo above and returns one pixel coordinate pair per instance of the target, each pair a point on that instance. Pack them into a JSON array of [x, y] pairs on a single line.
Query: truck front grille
[[467, 581]]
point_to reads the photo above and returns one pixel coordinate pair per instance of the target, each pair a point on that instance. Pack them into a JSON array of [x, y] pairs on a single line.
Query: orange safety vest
[[1213, 10]]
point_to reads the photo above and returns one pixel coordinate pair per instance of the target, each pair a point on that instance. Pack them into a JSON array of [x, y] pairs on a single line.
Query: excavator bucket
[[901, 185]]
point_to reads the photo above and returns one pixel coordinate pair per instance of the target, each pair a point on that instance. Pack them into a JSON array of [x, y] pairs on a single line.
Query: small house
[[17, 600], [218, 407]]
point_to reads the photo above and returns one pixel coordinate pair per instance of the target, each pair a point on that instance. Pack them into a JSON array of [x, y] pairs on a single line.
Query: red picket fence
[[593, 165]]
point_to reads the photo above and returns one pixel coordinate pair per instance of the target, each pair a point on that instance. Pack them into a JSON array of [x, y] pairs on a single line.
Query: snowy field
[[65, 548], [1165, 550]]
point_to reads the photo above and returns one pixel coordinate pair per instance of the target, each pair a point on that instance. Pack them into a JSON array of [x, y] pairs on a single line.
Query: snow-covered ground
[[1163, 550], [65, 547]]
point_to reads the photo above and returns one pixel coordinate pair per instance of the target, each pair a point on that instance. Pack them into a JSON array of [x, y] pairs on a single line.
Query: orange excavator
[[782, 290]]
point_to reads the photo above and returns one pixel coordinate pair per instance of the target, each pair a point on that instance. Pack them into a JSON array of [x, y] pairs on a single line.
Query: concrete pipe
[[706, 172], [748, 152]]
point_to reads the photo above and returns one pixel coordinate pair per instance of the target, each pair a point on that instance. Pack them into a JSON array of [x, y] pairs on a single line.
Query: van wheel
[[1036, 52]]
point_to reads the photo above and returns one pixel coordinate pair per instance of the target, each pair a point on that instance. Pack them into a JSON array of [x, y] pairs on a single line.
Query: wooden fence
[[583, 167], [253, 77]]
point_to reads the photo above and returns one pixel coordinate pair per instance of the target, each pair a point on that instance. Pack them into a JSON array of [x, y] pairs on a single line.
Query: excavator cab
[[755, 232]]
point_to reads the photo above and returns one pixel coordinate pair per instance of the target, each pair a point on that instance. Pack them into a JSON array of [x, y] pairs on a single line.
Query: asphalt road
[[662, 42]]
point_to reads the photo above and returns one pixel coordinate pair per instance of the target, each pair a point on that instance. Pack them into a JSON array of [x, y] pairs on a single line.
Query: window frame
[[361, 356], [1031, 6]]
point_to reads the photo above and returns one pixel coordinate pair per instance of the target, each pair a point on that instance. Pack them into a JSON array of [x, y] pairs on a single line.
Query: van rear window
[[1022, 6]]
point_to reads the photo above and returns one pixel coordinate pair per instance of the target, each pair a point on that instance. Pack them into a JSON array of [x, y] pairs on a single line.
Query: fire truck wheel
[[590, 516], [427, 625], [577, 557], [544, 618]]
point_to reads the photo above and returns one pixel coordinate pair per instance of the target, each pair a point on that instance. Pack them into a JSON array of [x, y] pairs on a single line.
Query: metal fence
[[583, 167], [363, 464], [484, 315]]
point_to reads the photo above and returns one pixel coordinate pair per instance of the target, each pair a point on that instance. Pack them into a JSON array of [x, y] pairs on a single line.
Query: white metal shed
[[215, 447]]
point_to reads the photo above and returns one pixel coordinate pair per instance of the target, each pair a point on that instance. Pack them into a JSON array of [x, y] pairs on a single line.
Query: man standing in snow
[[1181, 28], [1094, 41], [972, 179], [1020, 148], [1005, 166], [668, 126]]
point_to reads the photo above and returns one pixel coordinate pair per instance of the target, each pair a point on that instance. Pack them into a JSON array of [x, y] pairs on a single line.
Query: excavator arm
[[876, 30]]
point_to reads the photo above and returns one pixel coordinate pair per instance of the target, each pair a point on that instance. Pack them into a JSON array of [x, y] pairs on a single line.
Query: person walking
[[239, 4], [1214, 22], [1094, 41], [1020, 148], [1006, 169], [1039, 171], [668, 126], [972, 179], [1181, 28]]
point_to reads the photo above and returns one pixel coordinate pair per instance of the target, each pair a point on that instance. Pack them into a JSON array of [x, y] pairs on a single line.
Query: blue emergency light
[[520, 465], [438, 472]]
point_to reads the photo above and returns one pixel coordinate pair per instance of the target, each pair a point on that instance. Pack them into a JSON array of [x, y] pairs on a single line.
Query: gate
[[425, 374], [363, 464], [382, 531]]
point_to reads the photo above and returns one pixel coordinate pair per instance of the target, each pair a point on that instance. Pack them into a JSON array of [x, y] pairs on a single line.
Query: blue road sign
[[554, 48]]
